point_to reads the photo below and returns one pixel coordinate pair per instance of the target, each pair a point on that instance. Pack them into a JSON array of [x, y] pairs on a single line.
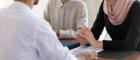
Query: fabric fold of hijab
[[117, 10]]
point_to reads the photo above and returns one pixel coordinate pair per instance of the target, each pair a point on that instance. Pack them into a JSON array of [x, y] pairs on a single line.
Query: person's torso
[[119, 32], [65, 16], [17, 34]]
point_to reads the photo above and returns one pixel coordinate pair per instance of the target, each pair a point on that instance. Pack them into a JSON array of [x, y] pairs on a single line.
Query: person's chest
[[117, 31], [67, 15], [131, 21]]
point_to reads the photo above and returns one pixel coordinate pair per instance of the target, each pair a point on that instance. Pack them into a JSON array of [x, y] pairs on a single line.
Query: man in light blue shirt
[[23, 36]]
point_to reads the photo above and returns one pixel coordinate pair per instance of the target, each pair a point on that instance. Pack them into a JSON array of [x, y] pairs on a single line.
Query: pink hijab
[[117, 10]]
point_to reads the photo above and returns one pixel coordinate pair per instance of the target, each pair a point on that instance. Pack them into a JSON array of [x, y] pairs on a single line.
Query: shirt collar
[[61, 4], [21, 6]]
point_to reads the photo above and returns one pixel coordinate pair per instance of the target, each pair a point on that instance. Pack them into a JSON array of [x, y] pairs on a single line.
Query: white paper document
[[77, 50]]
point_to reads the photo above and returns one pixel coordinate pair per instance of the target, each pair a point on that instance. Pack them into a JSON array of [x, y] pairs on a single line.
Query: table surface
[[68, 42], [134, 56]]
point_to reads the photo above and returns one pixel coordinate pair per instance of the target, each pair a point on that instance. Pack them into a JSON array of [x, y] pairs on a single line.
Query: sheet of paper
[[77, 50]]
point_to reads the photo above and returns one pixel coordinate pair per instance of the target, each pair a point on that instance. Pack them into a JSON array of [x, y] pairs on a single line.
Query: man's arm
[[48, 45]]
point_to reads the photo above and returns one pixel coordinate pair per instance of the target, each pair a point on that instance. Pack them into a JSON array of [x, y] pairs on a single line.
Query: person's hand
[[80, 40], [87, 55], [87, 35]]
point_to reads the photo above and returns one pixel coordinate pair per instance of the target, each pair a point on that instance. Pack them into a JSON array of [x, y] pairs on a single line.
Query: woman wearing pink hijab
[[122, 21]]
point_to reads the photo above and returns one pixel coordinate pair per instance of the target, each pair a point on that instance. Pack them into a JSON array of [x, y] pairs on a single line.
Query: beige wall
[[93, 6], [39, 9], [1, 4]]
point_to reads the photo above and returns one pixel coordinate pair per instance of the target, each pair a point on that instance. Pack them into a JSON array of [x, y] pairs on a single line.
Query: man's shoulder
[[41, 25], [37, 21]]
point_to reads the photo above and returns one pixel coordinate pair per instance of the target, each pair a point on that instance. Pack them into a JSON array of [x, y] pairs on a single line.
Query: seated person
[[122, 21], [66, 16]]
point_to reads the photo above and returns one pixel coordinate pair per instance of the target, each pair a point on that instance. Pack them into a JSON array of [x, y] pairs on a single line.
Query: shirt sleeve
[[82, 15], [99, 23], [67, 33], [48, 45]]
